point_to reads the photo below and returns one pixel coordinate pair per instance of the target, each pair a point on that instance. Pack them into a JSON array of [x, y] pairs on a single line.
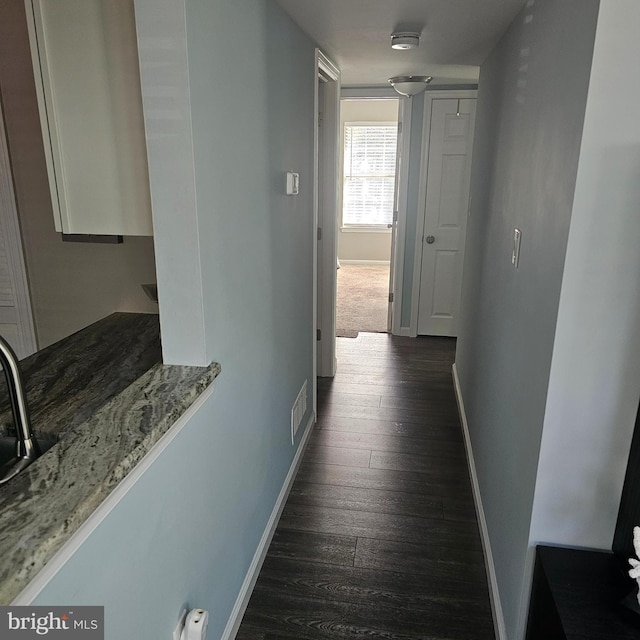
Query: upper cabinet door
[[88, 82]]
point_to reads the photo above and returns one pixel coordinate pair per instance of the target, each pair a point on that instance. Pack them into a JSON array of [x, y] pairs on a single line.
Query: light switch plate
[[293, 183]]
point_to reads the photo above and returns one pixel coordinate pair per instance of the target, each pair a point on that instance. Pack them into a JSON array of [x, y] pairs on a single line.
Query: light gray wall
[[372, 245], [364, 246], [531, 103], [71, 285], [256, 242], [595, 374], [223, 473]]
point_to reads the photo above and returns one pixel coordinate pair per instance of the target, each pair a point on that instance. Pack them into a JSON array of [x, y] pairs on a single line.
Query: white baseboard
[[494, 594], [405, 331], [233, 624], [373, 263]]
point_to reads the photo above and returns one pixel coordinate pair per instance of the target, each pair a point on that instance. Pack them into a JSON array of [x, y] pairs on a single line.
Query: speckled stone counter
[[105, 390], [68, 381]]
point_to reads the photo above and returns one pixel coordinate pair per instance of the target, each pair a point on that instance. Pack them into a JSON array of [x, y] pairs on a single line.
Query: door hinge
[[318, 334], [395, 216], [319, 233], [399, 127], [391, 297]]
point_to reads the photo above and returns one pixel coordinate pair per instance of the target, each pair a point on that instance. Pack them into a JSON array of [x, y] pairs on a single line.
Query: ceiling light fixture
[[410, 85], [404, 40]]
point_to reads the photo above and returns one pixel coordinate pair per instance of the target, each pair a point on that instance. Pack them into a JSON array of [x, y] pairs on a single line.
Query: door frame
[[430, 96], [10, 226], [325, 216]]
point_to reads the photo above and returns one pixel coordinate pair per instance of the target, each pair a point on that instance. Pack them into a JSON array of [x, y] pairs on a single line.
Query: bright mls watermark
[[53, 623]]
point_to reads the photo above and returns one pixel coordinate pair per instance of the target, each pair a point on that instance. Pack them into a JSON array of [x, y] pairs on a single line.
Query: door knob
[[430, 239]]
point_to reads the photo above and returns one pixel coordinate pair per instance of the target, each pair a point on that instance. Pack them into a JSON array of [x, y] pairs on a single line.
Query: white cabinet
[[88, 83]]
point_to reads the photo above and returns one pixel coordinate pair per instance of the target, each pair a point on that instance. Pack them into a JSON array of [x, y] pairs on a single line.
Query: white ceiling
[[457, 35]]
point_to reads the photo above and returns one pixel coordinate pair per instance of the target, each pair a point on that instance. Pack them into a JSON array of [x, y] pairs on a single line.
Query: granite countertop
[[105, 393]]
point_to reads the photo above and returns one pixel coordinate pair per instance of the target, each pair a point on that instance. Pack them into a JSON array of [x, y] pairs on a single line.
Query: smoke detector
[[404, 40]]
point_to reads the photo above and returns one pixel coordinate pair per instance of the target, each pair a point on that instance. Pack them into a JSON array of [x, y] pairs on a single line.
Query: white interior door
[[445, 215], [16, 321]]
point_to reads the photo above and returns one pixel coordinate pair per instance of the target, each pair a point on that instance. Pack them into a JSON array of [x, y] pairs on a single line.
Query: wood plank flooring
[[379, 537]]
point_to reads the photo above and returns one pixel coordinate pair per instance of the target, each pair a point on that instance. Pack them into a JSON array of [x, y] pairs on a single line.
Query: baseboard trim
[[373, 263], [233, 624], [405, 331], [494, 594]]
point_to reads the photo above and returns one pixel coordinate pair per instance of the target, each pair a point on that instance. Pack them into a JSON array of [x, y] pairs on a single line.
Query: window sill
[[365, 229]]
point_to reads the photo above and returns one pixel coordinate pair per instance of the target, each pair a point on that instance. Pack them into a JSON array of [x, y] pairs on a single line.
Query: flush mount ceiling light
[[410, 85], [403, 40]]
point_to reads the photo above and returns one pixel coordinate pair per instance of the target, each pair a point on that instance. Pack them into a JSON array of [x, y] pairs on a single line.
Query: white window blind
[[369, 174]]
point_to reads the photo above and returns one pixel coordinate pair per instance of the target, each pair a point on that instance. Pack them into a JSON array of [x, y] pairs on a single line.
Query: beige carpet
[[362, 301]]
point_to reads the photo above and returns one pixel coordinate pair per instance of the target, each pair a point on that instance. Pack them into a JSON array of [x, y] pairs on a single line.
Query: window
[[369, 174]]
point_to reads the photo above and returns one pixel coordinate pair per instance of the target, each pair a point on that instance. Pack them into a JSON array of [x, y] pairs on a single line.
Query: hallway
[[379, 537]]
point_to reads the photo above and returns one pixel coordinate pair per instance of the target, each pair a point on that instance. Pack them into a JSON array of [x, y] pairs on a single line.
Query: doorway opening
[[367, 208]]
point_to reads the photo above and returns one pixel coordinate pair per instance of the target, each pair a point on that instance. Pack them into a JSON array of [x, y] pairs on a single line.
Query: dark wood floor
[[379, 537]]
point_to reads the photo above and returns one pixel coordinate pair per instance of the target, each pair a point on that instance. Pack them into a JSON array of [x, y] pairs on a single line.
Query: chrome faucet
[[27, 448]]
